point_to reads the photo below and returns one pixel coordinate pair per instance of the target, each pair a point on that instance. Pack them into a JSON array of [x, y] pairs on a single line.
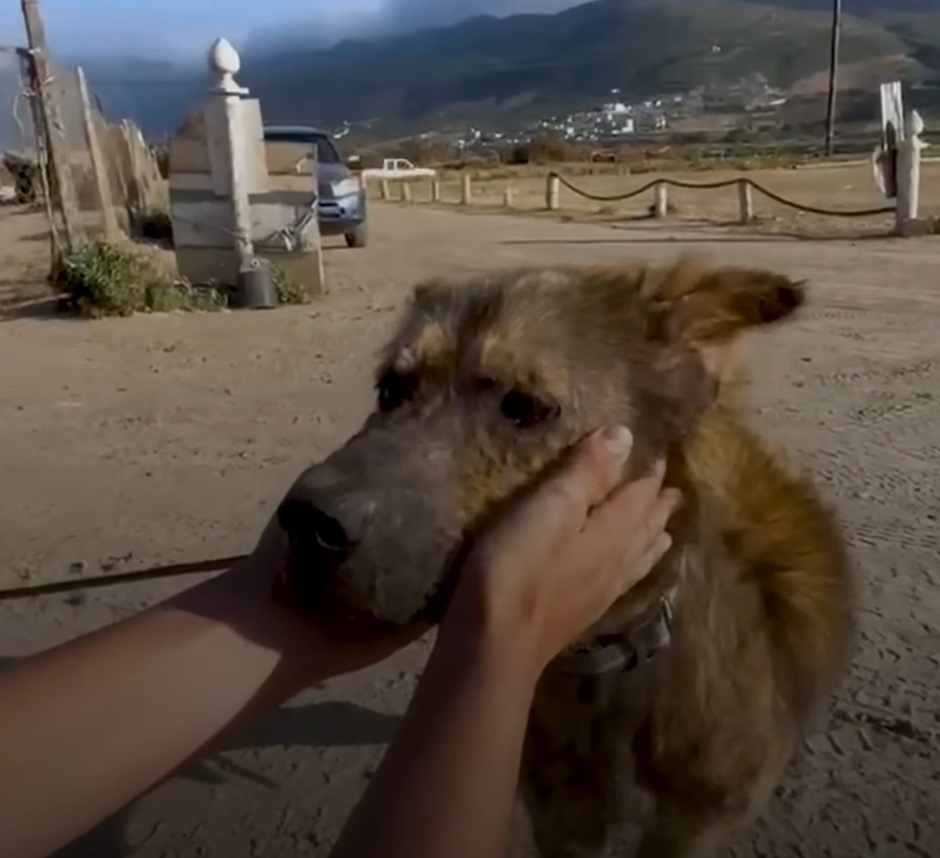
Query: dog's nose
[[318, 535]]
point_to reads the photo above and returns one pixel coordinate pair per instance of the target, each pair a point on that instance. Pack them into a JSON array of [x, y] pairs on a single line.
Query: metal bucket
[[255, 288]]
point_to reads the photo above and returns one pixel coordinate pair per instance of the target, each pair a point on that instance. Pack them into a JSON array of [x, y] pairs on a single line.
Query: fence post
[[135, 189], [466, 190], [910, 153], [224, 63], [63, 187], [98, 168], [661, 200], [384, 190], [405, 192], [435, 191], [508, 198], [746, 201], [553, 193]]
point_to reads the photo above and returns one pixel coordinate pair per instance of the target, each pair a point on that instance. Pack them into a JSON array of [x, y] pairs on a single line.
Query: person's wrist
[[477, 633], [243, 600]]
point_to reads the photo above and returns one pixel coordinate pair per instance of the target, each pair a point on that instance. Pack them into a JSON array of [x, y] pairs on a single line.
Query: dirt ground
[[129, 443]]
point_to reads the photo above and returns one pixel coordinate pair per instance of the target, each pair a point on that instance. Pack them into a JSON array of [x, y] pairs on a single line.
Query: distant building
[[627, 126]]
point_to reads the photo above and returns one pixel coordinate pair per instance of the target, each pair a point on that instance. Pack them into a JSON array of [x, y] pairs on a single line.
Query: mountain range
[[639, 46], [488, 66]]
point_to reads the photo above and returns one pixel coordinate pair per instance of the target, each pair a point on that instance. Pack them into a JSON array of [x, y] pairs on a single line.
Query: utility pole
[[51, 118], [833, 75]]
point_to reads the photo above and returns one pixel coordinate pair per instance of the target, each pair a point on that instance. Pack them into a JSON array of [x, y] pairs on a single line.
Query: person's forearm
[[446, 786], [89, 726]]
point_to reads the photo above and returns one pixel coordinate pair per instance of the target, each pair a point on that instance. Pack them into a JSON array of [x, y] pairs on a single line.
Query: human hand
[[558, 560], [315, 645]]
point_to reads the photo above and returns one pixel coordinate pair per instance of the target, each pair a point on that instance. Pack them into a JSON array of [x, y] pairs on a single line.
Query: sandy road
[[153, 440]]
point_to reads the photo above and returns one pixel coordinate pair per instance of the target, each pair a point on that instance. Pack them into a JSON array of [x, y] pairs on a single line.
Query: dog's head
[[484, 385]]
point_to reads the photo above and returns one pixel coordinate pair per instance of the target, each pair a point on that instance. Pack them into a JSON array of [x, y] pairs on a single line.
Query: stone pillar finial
[[224, 64]]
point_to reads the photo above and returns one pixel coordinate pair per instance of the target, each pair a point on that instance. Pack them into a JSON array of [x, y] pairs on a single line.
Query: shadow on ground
[[321, 725]]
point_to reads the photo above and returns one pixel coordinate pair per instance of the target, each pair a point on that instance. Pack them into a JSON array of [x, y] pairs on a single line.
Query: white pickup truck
[[398, 168]]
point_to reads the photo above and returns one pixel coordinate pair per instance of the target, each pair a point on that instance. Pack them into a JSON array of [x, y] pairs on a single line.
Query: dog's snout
[[308, 525]]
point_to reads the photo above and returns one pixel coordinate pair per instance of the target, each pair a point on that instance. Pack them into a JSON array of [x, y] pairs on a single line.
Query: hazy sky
[[183, 27]]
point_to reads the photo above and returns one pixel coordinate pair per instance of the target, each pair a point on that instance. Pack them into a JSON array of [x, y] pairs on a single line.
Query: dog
[[695, 690]]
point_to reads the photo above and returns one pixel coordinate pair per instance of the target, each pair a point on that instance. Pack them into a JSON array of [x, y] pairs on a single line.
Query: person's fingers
[[627, 511], [636, 570], [663, 509], [630, 531], [592, 470], [560, 505]]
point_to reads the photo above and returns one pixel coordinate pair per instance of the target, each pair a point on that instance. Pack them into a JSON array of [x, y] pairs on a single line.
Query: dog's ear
[[707, 307], [682, 386]]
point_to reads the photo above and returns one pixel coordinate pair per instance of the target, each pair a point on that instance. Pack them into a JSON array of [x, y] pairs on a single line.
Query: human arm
[[550, 569], [87, 727]]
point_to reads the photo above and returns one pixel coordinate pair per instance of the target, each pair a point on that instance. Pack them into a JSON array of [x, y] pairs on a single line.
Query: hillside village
[[616, 121]]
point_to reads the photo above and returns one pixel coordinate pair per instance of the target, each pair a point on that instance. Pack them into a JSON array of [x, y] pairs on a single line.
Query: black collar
[[624, 652]]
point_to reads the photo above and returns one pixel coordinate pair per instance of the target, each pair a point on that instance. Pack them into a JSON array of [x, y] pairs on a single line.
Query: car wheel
[[359, 237]]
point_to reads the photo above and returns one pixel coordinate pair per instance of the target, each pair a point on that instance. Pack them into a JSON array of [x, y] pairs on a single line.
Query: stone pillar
[[910, 154], [227, 150]]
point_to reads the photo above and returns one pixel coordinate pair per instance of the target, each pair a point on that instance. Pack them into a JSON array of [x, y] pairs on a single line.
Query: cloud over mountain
[[375, 18]]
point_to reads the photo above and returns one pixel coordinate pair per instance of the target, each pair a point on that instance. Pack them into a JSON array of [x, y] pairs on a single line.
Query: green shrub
[[289, 291], [104, 279]]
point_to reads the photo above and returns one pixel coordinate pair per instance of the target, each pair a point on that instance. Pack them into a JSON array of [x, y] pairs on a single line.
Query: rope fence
[[741, 183], [902, 206]]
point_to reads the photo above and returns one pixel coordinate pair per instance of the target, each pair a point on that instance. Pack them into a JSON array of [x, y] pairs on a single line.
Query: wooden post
[[435, 191], [508, 198], [466, 190], [661, 200], [406, 192], [52, 130], [135, 190], [745, 201], [385, 190], [553, 193], [833, 76], [910, 154], [99, 169], [885, 156], [224, 63]]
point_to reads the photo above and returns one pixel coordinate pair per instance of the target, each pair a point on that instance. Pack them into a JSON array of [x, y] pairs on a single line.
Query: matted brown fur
[[484, 385]]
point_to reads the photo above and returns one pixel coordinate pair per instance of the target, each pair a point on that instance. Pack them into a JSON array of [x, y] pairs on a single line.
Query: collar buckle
[[625, 653]]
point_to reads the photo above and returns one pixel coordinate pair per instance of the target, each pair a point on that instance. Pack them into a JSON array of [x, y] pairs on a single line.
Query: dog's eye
[[395, 389], [525, 410]]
